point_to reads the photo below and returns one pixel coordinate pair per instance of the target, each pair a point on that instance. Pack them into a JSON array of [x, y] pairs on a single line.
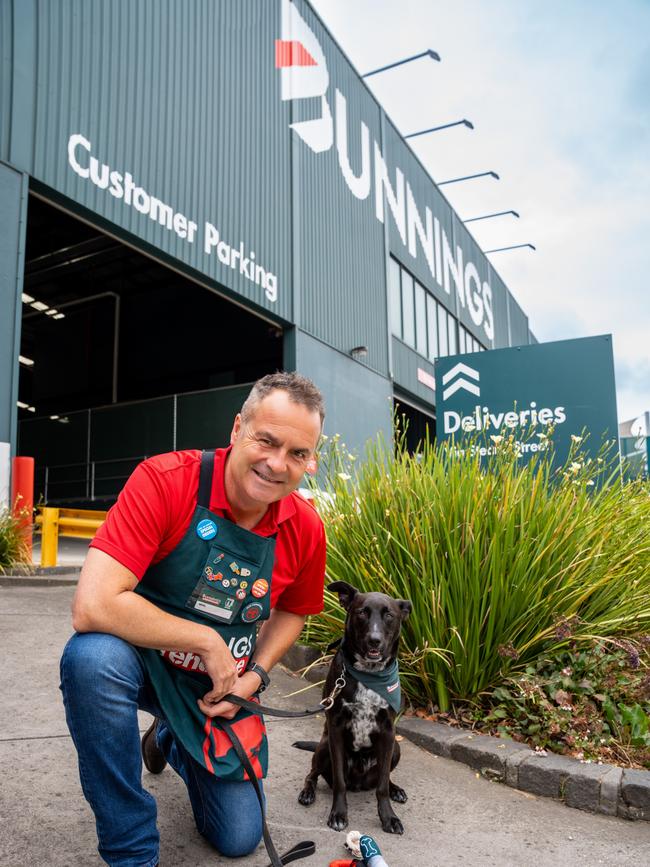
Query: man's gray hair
[[300, 390]]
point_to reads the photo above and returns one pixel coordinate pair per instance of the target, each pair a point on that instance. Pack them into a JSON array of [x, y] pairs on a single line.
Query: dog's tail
[[309, 746]]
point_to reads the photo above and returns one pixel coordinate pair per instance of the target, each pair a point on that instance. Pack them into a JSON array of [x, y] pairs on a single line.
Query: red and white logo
[[240, 648], [304, 75]]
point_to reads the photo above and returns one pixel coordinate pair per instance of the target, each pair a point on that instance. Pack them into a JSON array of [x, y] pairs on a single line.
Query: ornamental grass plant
[[13, 550], [503, 562]]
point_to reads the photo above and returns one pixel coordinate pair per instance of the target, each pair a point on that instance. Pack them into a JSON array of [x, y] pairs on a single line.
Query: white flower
[[542, 436], [344, 476], [590, 482], [575, 467], [496, 439], [576, 439]]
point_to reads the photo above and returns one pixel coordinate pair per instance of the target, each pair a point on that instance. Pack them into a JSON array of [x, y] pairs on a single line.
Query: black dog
[[358, 749]]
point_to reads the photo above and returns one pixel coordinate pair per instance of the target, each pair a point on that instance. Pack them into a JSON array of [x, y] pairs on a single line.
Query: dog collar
[[385, 683]]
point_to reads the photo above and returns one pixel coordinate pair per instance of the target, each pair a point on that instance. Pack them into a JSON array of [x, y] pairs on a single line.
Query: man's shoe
[[152, 756]]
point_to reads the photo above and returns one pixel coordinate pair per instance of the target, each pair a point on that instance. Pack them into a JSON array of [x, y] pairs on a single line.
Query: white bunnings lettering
[[121, 185], [418, 230]]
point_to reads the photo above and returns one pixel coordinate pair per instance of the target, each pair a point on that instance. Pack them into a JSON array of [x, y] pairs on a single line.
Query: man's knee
[[90, 659], [240, 839]]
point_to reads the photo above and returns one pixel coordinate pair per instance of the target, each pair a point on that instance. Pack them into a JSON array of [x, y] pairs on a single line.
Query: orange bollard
[[22, 495]]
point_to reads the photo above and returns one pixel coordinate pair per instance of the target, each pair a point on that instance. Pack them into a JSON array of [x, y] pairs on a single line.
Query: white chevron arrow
[[461, 368], [464, 384]]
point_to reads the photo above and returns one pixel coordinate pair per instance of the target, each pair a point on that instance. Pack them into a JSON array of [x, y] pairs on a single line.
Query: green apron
[[218, 575]]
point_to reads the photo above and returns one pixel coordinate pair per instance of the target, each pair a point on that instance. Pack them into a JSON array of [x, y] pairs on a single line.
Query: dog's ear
[[346, 592], [405, 607]]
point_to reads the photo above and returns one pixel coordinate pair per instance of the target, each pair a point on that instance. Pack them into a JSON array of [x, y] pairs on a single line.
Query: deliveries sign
[[567, 385]]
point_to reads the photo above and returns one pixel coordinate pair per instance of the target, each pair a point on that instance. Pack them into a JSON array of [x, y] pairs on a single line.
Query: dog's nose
[[374, 641]]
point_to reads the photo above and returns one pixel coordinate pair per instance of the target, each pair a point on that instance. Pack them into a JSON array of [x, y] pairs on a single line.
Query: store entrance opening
[[121, 358], [415, 425]]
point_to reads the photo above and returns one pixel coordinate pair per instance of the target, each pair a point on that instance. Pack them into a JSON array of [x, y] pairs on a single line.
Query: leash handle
[[300, 850]]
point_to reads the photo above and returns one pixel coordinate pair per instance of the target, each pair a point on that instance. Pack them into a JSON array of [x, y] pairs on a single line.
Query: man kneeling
[[198, 552]]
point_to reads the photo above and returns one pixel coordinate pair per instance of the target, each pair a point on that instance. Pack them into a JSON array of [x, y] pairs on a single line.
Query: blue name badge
[[206, 529]]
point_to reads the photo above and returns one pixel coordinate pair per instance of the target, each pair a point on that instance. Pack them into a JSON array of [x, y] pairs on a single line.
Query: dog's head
[[372, 625]]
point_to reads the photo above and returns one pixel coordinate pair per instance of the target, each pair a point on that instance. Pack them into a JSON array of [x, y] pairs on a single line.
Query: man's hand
[[221, 668], [245, 687]]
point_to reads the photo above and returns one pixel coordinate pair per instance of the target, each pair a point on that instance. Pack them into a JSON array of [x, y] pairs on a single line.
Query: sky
[[559, 95]]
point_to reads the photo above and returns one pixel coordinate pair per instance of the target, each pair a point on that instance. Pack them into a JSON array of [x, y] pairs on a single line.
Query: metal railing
[[85, 478], [77, 523]]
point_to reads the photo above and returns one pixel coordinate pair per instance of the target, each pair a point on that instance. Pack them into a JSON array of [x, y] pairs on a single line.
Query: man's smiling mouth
[[266, 478]]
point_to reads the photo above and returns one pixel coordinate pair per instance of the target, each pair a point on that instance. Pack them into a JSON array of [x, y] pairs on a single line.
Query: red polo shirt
[[155, 507]]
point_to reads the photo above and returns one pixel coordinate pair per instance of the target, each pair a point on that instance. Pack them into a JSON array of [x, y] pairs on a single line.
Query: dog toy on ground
[[365, 848]]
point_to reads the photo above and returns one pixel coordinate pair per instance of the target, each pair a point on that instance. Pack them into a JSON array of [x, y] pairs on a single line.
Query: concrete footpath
[[452, 816]]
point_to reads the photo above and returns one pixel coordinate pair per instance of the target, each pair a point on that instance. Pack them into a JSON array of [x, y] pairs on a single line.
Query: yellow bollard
[[50, 537]]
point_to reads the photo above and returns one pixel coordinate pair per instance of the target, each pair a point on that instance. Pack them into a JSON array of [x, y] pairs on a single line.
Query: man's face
[[271, 450]]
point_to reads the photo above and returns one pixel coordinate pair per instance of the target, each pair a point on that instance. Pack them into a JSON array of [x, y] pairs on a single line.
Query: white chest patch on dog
[[364, 710]]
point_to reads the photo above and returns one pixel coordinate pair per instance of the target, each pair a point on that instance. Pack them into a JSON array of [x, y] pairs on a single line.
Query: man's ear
[[312, 467], [236, 429], [346, 592], [405, 607]]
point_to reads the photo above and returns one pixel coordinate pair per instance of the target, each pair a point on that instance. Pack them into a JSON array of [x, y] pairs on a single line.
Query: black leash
[[306, 847], [300, 850]]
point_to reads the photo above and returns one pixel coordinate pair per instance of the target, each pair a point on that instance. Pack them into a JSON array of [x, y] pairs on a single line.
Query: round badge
[[206, 529], [243, 584], [240, 594], [225, 582], [252, 612], [260, 588]]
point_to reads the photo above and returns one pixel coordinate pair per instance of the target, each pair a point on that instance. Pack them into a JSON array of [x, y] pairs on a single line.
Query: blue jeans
[[104, 682]]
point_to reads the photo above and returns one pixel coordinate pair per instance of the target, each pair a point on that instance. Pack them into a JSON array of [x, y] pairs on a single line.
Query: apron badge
[[208, 573], [243, 584], [206, 529], [260, 588], [234, 567], [245, 573], [225, 583], [252, 612], [218, 558], [240, 594]]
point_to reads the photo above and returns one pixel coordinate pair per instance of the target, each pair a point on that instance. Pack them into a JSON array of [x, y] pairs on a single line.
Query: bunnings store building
[[194, 194]]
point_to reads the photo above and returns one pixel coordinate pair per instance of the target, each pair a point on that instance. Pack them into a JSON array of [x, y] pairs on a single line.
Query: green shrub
[[13, 549], [498, 560]]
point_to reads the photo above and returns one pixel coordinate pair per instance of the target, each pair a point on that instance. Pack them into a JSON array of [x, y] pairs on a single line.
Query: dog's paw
[[307, 796], [392, 825], [397, 794], [337, 821]]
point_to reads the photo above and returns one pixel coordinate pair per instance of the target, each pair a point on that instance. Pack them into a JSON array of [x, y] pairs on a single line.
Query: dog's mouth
[[374, 655]]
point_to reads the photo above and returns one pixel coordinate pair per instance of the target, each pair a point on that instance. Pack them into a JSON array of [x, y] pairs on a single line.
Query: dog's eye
[[388, 616]]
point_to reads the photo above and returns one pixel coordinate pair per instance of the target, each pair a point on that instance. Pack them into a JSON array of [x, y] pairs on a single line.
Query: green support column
[[13, 223]]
